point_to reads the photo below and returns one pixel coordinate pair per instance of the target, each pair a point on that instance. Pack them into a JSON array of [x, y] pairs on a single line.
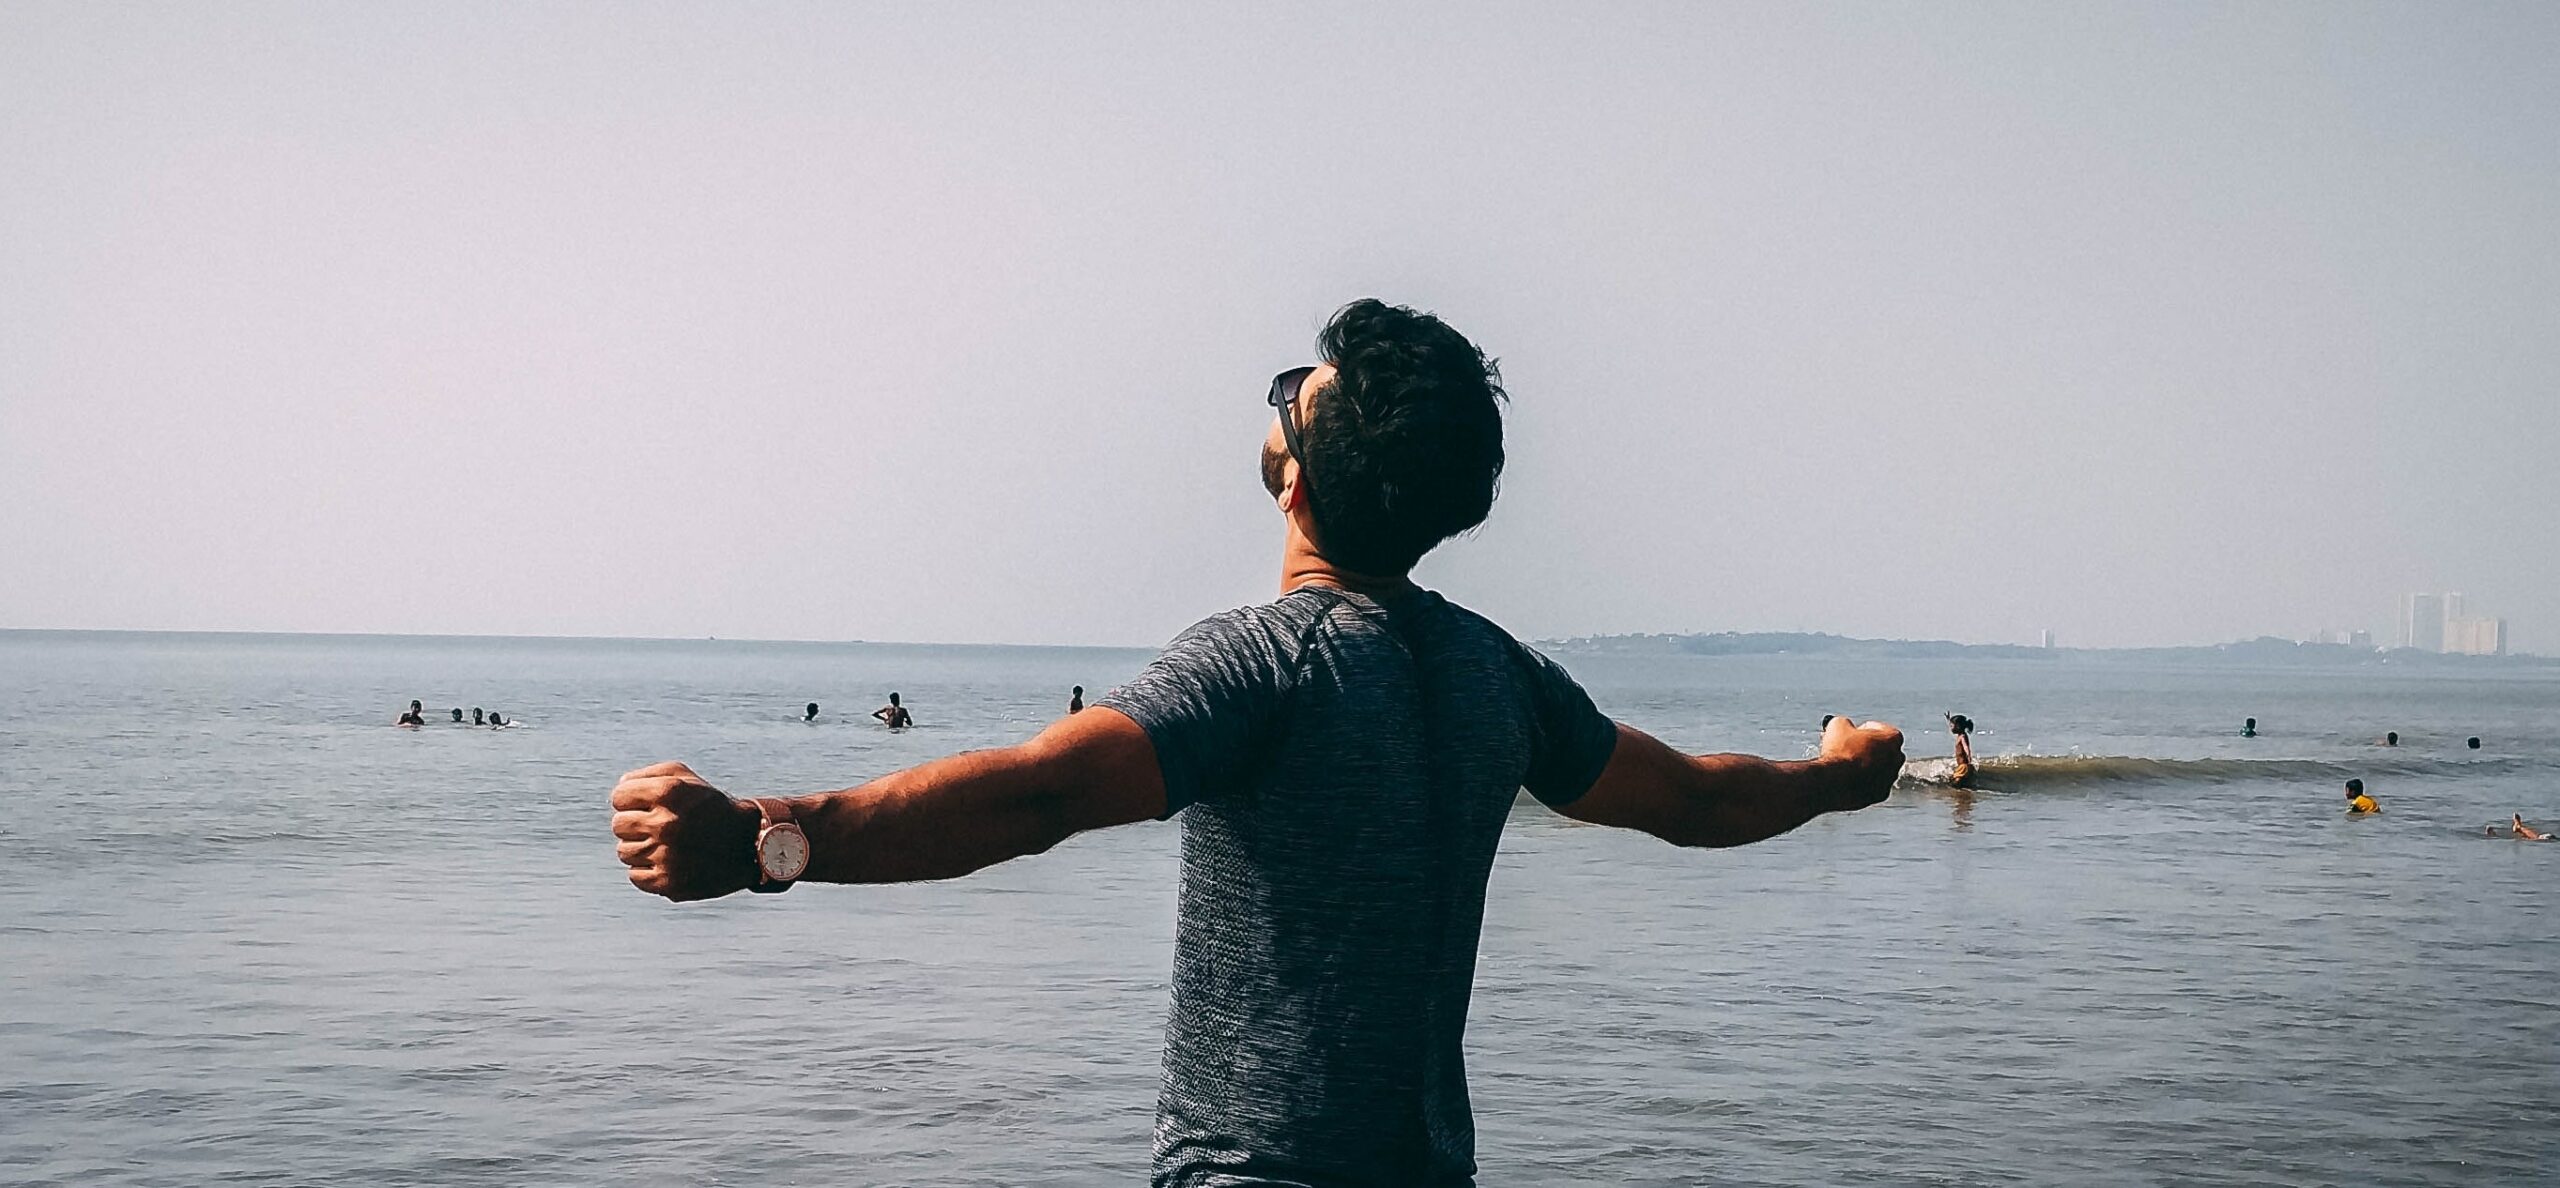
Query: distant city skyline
[[2444, 623]]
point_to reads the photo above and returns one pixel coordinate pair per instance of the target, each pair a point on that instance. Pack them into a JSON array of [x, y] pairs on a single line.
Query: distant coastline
[[2264, 650]]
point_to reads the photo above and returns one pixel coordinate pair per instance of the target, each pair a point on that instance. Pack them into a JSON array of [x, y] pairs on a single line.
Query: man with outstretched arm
[[1343, 760]]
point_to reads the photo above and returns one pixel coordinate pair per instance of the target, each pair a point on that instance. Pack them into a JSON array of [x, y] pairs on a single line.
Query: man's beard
[[1275, 468]]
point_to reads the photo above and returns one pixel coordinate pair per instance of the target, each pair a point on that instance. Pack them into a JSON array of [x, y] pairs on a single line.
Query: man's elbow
[[1045, 832], [1066, 789], [1709, 829], [1690, 836], [1685, 826]]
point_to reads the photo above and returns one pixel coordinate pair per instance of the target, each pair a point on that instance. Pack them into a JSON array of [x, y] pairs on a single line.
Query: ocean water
[[250, 933]]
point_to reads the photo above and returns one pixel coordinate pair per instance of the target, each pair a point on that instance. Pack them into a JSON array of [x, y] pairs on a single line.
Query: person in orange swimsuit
[[1961, 775]]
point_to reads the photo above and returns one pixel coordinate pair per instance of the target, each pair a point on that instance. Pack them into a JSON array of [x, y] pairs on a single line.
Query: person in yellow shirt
[[2358, 804]]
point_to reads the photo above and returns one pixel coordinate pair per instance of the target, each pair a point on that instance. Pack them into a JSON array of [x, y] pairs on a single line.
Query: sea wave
[[2026, 772]]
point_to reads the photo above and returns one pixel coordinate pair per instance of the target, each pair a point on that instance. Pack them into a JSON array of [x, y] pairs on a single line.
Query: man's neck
[[1301, 565]]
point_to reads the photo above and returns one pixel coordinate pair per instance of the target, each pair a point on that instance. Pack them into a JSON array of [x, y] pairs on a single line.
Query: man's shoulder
[[1494, 636], [1290, 614], [1284, 625], [1263, 633], [1470, 621]]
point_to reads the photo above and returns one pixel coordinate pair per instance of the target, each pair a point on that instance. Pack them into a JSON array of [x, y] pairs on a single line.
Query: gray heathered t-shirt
[[1343, 767]]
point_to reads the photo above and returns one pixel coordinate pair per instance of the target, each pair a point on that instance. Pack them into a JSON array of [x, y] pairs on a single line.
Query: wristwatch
[[782, 851]]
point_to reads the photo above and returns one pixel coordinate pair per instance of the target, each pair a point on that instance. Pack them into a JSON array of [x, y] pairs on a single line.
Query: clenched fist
[[1867, 759], [681, 837]]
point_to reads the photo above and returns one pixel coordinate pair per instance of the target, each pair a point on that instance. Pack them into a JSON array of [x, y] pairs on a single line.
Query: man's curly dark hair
[[1404, 446]]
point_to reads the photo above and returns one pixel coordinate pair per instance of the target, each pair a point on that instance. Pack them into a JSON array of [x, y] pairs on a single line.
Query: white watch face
[[783, 852]]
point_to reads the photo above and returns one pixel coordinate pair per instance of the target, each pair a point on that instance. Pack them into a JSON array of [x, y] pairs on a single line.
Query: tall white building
[[2422, 622], [2443, 623]]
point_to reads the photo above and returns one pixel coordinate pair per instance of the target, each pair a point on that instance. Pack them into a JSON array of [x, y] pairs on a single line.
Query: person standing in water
[[1961, 775], [1075, 700], [1344, 759], [2359, 804], [894, 715], [457, 715], [810, 714], [415, 715], [2249, 729]]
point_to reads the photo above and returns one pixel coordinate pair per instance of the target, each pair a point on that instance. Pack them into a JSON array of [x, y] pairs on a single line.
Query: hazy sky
[[2154, 324]]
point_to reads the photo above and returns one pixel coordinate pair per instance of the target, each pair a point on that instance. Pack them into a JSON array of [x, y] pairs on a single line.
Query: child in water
[[1961, 775], [2359, 804]]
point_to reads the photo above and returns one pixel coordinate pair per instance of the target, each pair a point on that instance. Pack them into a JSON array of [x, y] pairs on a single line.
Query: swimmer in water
[[893, 715], [477, 718], [2523, 832], [457, 715], [2249, 728], [496, 722], [1075, 700], [1961, 775], [2473, 742], [2391, 738], [2359, 804], [415, 716], [810, 714]]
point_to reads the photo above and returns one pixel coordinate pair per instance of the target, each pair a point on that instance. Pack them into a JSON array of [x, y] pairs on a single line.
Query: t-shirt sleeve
[[1570, 740], [1209, 703]]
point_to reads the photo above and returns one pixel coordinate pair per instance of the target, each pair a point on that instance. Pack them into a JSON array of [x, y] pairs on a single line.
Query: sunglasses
[[1284, 393]]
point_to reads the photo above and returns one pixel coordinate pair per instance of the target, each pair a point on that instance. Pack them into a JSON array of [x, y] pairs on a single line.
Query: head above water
[[2355, 788], [416, 706], [811, 710], [2473, 742], [1401, 428], [2391, 738]]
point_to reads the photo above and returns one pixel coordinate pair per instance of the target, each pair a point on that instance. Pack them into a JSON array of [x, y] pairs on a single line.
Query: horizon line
[[909, 643], [542, 638]]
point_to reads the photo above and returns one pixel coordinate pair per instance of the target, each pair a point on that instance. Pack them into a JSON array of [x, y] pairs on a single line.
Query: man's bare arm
[[1734, 800], [684, 839]]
